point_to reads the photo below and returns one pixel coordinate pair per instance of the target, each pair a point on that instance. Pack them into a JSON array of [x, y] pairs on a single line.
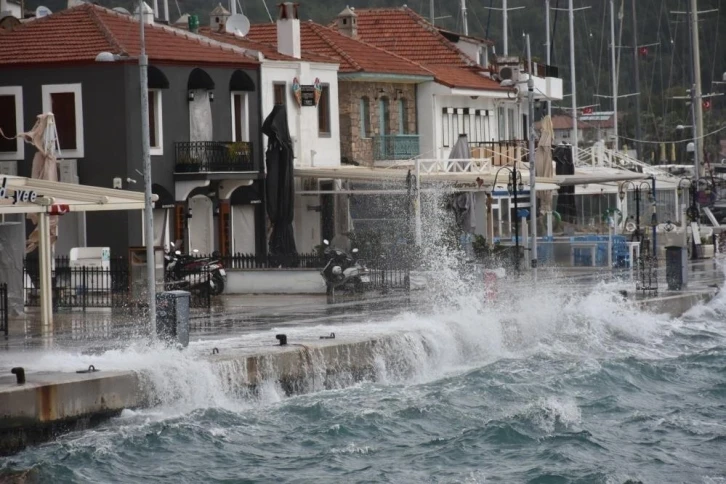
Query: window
[[324, 112], [402, 116], [64, 101], [384, 116], [502, 134], [11, 123], [156, 131], [365, 117], [512, 127], [445, 124], [280, 93], [240, 115]]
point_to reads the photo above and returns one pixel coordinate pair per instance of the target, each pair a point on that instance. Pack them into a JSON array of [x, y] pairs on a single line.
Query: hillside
[[664, 69]]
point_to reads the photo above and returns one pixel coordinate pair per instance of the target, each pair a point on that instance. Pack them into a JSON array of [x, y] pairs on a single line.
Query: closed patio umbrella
[[543, 161], [280, 187]]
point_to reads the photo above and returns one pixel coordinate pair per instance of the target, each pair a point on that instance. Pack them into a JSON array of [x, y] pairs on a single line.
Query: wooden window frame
[[77, 90], [19, 153]]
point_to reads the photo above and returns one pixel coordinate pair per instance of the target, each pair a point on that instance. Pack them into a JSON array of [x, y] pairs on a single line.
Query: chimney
[[147, 15], [347, 22], [288, 30], [218, 18]]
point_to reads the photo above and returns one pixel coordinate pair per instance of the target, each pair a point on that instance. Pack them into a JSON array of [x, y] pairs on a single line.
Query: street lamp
[[638, 234], [513, 183], [146, 155]]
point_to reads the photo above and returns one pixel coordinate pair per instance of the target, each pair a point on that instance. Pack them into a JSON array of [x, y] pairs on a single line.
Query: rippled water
[[550, 388]]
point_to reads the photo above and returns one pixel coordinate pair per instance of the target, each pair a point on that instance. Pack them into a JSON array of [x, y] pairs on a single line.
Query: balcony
[[395, 147], [501, 153], [213, 156]]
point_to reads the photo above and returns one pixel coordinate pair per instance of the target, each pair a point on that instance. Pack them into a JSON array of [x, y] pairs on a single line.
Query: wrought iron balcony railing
[[396, 147], [209, 156]]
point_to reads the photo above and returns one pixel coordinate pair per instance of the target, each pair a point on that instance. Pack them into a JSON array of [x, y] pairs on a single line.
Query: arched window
[[365, 117], [402, 116], [384, 116]]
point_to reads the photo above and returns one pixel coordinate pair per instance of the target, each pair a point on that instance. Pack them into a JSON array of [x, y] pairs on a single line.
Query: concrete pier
[[48, 404]]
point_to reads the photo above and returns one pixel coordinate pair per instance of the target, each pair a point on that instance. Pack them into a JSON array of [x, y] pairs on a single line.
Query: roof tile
[[78, 34], [354, 55]]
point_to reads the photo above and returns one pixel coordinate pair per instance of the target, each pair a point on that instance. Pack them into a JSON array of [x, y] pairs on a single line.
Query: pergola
[[20, 195]]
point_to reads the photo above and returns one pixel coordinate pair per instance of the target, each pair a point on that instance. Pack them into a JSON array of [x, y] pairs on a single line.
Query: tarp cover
[[543, 161], [280, 187]]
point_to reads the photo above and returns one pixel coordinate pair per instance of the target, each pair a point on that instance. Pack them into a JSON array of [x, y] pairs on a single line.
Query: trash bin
[[172, 317], [676, 267]]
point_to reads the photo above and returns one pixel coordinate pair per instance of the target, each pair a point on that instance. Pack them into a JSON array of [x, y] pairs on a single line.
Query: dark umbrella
[[280, 187]]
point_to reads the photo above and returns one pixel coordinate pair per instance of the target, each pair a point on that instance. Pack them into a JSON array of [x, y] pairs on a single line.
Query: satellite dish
[[238, 24], [42, 11], [121, 10]]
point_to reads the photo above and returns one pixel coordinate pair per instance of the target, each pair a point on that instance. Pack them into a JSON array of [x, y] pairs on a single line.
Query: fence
[[4, 309], [252, 261], [195, 156], [91, 287]]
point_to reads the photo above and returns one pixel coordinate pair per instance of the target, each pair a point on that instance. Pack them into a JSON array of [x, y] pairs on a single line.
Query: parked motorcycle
[[193, 273], [344, 272]]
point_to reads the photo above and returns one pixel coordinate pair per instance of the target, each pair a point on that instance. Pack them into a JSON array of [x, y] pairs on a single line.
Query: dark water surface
[[587, 391]]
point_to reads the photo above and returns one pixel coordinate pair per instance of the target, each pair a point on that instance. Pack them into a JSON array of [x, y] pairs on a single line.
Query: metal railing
[[501, 153], [210, 156], [92, 287], [4, 309], [253, 261], [396, 147]]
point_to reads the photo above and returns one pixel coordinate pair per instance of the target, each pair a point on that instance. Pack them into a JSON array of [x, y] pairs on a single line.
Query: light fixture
[[690, 147], [216, 211], [380, 94], [211, 96], [399, 93], [189, 212], [190, 96]]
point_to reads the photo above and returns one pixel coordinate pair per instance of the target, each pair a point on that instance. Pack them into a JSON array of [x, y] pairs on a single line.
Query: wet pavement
[[232, 316]]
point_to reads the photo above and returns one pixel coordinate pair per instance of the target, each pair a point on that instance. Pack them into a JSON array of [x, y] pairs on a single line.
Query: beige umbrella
[[543, 161], [44, 137]]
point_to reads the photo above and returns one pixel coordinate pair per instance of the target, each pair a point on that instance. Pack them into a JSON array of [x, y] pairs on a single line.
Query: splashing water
[[544, 384]]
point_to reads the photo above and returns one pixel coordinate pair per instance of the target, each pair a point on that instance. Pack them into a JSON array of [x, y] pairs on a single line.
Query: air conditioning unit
[[68, 171], [509, 73], [9, 168]]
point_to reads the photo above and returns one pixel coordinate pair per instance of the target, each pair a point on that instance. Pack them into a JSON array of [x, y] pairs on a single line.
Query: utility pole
[[431, 11], [698, 93], [464, 17], [548, 44], [532, 168], [636, 82], [573, 81], [614, 68], [145, 153]]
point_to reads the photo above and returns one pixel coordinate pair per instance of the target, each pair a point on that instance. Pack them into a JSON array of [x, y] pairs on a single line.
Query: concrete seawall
[[49, 404]]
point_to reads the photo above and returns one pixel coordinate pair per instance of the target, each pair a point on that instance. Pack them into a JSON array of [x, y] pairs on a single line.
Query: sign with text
[[18, 195], [308, 94]]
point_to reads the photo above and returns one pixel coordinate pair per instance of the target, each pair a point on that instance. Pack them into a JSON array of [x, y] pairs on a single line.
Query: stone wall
[[353, 146]]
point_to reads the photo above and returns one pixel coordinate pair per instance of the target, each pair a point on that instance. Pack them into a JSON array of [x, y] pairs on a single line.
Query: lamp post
[[638, 234], [146, 156], [514, 182]]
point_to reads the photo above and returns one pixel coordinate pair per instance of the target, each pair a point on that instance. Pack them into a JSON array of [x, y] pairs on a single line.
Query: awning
[[587, 179], [460, 180], [30, 195]]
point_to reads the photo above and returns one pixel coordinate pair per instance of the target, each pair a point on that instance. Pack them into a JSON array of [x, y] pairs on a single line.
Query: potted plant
[[186, 164]]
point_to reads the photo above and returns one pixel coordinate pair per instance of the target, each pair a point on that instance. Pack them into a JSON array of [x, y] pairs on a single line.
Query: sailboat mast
[[614, 72], [636, 82], [573, 80], [698, 93], [548, 45], [505, 27], [464, 17], [431, 11]]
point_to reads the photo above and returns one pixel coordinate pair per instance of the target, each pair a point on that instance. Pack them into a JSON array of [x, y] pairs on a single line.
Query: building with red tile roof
[[81, 64], [78, 34]]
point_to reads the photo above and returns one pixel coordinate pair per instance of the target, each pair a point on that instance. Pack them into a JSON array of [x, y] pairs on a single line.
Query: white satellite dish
[[42, 11], [238, 24], [121, 10]]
